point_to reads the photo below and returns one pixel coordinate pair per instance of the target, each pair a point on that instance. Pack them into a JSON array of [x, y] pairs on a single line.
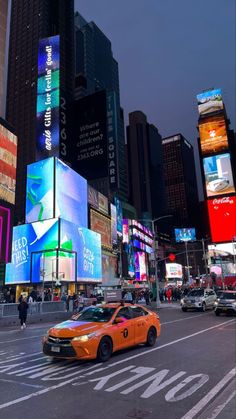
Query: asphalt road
[[190, 373]]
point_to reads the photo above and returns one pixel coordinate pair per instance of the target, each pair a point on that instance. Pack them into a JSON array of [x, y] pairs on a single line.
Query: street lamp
[[158, 302]]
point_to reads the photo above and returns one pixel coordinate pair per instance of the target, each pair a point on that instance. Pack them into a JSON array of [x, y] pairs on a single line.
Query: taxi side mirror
[[118, 320]]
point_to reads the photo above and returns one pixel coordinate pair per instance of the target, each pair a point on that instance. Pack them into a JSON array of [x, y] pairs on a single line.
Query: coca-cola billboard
[[222, 216]]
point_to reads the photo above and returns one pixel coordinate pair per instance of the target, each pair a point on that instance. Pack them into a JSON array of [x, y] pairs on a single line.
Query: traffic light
[[171, 257]]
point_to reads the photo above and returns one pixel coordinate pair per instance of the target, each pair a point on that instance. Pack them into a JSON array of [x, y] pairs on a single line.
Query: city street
[[189, 373]]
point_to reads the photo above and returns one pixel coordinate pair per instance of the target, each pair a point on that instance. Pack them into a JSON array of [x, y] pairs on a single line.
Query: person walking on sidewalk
[[22, 308], [169, 294]]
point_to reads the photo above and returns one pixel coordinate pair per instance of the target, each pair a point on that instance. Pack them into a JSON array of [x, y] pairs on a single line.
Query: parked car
[[98, 331], [226, 303], [199, 299]]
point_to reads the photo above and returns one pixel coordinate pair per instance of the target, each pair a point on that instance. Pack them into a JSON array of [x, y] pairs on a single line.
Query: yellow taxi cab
[[100, 330]]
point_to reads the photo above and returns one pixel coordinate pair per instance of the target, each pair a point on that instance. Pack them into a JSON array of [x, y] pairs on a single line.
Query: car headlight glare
[[84, 338], [182, 300], [216, 303]]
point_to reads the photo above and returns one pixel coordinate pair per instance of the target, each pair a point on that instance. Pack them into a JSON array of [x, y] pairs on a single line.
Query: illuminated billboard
[[109, 270], [102, 225], [113, 224], [28, 239], [92, 197], [90, 155], [222, 249], [174, 270], [40, 191], [5, 232], [48, 98], [222, 217], [102, 203], [140, 266], [112, 139], [71, 196], [218, 175], [209, 101], [119, 213], [213, 136], [185, 234], [8, 153], [87, 245]]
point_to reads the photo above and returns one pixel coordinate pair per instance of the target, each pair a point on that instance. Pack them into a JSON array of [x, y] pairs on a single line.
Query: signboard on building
[[8, 153], [185, 234], [101, 224], [209, 101], [222, 217], [213, 135], [174, 270], [112, 139], [218, 175], [48, 98], [5, 233]]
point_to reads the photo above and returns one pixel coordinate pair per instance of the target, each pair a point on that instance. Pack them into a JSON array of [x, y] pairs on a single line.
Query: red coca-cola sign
[[222, 216]]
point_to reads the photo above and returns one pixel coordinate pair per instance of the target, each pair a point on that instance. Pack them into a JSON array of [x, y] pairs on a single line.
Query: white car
[[199, 299]]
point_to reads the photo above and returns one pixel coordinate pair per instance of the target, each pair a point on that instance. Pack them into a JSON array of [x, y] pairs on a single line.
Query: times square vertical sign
[[48, 98]]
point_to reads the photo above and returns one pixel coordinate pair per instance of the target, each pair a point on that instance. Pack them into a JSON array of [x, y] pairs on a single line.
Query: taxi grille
[[60, 341], [65, 351]]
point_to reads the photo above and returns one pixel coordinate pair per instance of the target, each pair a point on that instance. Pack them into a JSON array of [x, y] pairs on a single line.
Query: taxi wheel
[[151, 337], [104, 349]]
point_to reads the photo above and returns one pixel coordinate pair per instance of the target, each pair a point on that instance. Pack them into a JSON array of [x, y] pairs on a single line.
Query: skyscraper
[[4, 10], [180, 180], [30, 22], [145, 164], [96, 70]]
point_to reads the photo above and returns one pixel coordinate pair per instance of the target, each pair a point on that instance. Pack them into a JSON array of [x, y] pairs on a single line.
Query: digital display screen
[[140, 266], [222, 249], [109, 270], [210, 101], [92, 197], [102, 225], [28, 239], [8, 153], [87, 244], [185, 234], [48, 97], [119, 213], [218, 175], [113, 224], [174, 270], [125, 230], [213, 136], [71, 195], [40, 191], [222, 216], [5, 233]]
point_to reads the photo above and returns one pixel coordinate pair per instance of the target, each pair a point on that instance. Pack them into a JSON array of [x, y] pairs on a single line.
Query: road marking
[[205, 400], [15, 340], [17, 357], [140, 372], [170, 395], [24, 384], [185, 318]]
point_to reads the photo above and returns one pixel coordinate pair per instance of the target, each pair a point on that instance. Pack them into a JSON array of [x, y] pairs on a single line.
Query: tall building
[[96, 70], [180, 180], [30, 22], [145, 165], [4, 10]]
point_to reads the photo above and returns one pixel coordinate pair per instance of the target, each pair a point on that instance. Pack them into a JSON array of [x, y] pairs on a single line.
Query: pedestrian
[[169, 294], [22, 308]]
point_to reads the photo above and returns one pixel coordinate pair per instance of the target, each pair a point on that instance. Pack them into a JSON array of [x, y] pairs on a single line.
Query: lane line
[[24, 384], [19, 357], [205, 400], [26, 338], [180, 320]]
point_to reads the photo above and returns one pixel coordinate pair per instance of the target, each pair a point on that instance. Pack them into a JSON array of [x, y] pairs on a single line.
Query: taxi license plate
[[55, 348]]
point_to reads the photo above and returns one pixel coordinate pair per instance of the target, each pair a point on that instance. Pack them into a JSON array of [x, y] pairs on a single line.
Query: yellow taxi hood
[[72, 328]]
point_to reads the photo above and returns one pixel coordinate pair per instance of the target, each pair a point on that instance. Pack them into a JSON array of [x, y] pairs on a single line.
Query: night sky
[[168, 51]]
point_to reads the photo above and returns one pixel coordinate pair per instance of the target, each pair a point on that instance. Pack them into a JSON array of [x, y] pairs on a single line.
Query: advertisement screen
[[113, 224], [222, 216], [109, 270], [213, 136], [8, 152], [218, 175], [140, 266], [119, 213], [87, 245], [40, 191], [90, 156], [71, 195], [222, 249], [185, 234], [125, 230], [92, 197], [174, 270], [48, 97], [102, 225], [102, 203], [209, 101], [28, 239], [5, 232]]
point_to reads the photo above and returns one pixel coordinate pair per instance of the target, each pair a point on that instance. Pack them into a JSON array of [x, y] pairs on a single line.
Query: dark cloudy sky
[[168, 51]]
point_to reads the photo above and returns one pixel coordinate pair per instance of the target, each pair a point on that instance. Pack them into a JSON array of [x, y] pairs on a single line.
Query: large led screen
[[48, 97], [174, 270], [5, 232], [113, 224], [71, 195], [210, 101], [119, 213], [102, 225], [8, 152], [185, 234], [109, 270], [222, 216], [213, 136], [29, 239], [87, 245], [218, 175], [40, 191], [140, 266]]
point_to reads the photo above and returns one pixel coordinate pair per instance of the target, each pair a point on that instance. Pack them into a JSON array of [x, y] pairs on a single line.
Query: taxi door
[[123, 333], [141, 323]]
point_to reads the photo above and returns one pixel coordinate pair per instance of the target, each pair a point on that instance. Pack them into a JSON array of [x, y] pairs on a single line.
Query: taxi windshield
[[95, 314]]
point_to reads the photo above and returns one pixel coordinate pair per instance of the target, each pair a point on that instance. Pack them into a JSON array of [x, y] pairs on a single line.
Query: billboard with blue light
[[48, 97], [185, 234]]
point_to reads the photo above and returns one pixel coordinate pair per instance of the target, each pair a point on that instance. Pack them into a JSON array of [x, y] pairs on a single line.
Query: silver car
[[226, 303], [199, 299]]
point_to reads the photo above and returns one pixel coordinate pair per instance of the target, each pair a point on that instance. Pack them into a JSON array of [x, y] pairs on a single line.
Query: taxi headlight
[[84, 338]]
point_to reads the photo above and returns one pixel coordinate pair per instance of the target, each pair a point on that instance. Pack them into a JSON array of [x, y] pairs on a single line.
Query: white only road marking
[[205, 400], [23, 384], [15, 340], [29, 396], [140, 372], [180, 320], [170, 396], [17, 357]]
